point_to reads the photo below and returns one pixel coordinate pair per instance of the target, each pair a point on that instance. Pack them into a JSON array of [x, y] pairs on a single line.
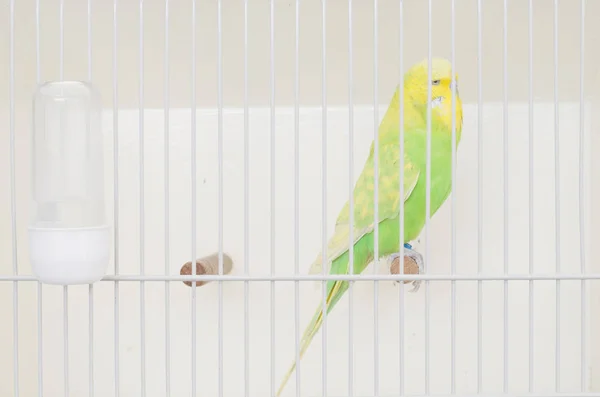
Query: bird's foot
[[413, 264]]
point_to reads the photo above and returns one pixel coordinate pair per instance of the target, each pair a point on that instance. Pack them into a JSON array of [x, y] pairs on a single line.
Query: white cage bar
[[582, 234], [246, 209], [13, 200], [531, 202], [39, 290], [350, 200], [193, 200], [142, 208], [505, 187], [91, 286], [401, 105], [116, 199], [167, 229], [177, 93]]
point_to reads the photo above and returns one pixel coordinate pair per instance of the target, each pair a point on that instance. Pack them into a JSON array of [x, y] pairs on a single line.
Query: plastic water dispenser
[[69, 238]]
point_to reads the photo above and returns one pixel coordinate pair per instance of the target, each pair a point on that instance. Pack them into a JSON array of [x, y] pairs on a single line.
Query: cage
[[239, 127]]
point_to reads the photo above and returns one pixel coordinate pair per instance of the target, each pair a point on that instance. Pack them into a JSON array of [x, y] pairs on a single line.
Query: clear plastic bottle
[[69, 238]]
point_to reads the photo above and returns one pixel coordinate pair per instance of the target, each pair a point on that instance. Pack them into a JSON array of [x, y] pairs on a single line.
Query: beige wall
[[415, 48]]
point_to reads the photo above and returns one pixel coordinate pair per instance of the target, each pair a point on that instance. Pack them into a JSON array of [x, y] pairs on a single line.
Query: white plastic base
[[69, 256]]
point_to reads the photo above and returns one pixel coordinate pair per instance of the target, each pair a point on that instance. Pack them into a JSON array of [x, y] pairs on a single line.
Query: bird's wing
[[389, 201]]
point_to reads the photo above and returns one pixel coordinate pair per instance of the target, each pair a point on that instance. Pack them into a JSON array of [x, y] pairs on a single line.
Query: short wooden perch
[[206, 265], [410, 267]]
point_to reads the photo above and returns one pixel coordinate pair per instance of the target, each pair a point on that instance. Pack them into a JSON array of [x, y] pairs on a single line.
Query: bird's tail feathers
[[310, 332], [317, 268]]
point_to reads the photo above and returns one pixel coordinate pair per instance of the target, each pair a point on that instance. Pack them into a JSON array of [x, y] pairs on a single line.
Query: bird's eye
[[435, 82]]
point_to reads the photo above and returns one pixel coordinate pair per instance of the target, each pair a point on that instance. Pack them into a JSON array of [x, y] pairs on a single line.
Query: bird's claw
[[418, 258]]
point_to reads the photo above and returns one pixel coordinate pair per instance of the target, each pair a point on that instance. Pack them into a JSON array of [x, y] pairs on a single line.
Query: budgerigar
[[415, 141]]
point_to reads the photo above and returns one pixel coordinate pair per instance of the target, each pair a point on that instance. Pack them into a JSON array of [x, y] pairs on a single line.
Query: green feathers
[[389, 195]]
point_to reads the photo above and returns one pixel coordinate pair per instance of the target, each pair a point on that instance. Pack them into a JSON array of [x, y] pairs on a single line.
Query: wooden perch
[[206, 265], [410, 267]]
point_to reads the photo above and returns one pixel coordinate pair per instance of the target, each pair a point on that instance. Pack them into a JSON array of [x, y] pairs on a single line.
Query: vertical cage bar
[[193, 225], [91, 286], [376, 199], [453, 203], [531, 163], [427, 193], [116, 193], [61, 39], [61, 24], [220, 198], [167, 217], [246, 211], [13, 198], [324, 193], [39, 284], [582, 254], [66, 337], [479, 195], [273, 152], [37, 47], [505, 135], [401, 207], [142, 209], [297, 198], [351, 204], [557, 198]]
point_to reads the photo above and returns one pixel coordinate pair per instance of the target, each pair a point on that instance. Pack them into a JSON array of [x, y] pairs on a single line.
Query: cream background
[[415, 12]]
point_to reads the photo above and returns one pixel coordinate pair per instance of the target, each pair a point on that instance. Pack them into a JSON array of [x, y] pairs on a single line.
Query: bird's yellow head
[[416, 84]]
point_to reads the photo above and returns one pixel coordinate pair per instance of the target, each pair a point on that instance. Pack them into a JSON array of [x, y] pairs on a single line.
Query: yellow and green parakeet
[[415, 167]]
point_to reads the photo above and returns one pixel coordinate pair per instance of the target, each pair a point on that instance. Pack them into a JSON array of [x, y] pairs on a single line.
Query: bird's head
[[416, 83]]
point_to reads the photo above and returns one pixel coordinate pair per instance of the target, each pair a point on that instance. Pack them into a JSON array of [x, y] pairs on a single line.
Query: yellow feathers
[[415, 89]]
